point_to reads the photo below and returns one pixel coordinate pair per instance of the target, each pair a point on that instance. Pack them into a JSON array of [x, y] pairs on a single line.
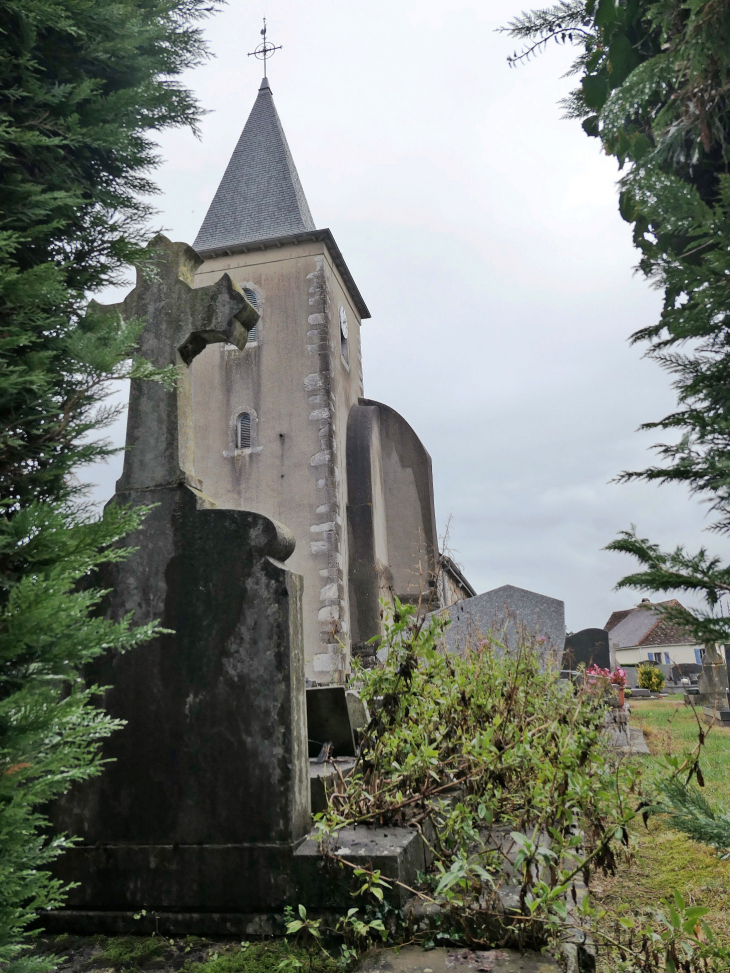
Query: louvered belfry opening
[[243, 431], [253, 334]]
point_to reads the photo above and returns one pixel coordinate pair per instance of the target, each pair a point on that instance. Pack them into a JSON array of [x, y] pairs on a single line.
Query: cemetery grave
[[176, 835], [465, 786]]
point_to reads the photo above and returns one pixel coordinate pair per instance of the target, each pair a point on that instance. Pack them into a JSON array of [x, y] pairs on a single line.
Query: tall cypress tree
[[654, 88], [84, 87]]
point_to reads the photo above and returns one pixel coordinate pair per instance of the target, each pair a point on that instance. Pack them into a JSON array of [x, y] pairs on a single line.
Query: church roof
[[260, 195], [260, 202]]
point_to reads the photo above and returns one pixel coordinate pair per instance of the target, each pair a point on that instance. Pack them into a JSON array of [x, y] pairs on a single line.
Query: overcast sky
[[484, 235]]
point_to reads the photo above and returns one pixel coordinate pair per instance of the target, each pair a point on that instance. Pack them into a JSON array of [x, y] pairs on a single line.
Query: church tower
[[282, 427], [271, 420]]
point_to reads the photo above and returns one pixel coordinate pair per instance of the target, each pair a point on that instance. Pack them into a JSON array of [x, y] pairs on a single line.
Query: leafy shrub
[[651, 677], [467, 747], [485, 746]]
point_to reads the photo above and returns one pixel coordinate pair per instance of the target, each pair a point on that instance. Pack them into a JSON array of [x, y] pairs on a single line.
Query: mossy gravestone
[[197, 816]]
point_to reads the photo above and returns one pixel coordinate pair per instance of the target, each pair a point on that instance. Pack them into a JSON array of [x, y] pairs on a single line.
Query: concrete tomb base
[[413, 959]]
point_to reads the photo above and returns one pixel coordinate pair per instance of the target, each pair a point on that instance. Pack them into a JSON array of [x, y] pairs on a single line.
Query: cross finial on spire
[[265, 50]]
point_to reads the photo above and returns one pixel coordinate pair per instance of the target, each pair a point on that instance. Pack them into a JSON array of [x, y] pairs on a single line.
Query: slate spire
[[260, 196]]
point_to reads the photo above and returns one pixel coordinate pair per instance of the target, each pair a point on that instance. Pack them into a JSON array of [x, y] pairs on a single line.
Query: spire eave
[[324, 235]]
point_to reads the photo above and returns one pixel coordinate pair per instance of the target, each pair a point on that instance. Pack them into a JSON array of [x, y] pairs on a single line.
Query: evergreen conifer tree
[[654, 88], [84, 85], [689, 811]]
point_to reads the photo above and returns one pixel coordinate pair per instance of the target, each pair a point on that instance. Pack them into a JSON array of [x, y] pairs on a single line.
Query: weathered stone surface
[[410, 518], [359, 716], [712, 683], [588, 647], [207, 793], [369, 574], [632, 677], [509, 614], [209, 790], [181, 322], [413, 959], [322, 775], [324, 884], [390, 516]]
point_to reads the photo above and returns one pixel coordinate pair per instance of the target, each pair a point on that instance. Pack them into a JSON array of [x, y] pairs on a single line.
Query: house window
[[253, 335], [698, 656], [666, 659], [243, 431]]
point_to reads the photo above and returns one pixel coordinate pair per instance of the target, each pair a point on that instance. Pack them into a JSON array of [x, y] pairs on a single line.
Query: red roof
[[633, 627]]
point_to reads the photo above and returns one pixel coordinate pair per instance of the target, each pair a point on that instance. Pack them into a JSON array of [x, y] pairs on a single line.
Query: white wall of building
[[669, 654]]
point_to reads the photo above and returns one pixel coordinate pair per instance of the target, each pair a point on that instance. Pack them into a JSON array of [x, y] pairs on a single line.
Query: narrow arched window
[[243, 431], [253, 335], [344, 336]]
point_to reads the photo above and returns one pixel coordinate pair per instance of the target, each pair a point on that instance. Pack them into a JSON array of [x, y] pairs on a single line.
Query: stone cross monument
[[207, 795]]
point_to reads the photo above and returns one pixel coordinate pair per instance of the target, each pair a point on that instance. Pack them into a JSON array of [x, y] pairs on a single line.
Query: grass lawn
[[664, 859]]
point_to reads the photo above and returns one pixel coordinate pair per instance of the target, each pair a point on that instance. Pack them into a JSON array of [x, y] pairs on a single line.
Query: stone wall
[[390, 515], [299, 387]]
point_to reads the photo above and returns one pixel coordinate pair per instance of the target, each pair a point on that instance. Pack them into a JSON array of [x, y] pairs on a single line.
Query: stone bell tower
[[270, 422]]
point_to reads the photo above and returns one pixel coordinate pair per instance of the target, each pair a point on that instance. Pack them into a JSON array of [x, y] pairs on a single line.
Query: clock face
[[343, 322]]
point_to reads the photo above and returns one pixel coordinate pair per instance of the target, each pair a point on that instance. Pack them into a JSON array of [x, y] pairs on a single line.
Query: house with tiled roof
[[645, 634]]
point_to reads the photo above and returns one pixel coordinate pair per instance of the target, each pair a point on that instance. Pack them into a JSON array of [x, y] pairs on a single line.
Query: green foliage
[[690, 811], [469, 748], [504, 769], [131, 952], [356, 932], [84, 84], [674, 937], [50, 729], [650, 677], [192, 954], [654, 87], [266, 957]]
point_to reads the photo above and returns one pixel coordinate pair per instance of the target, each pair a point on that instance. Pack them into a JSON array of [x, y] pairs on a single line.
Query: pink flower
[[618, 677]]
